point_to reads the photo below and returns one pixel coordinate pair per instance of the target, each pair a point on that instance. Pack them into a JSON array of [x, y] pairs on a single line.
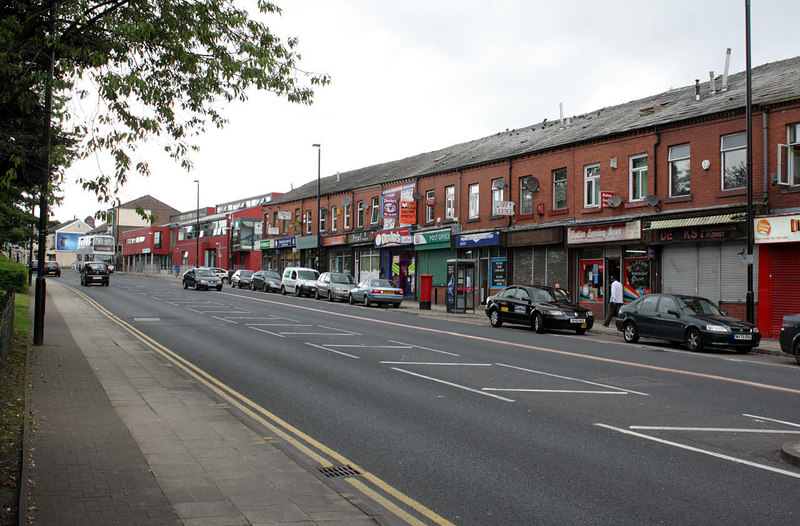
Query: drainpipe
[[655, 161], [764, 153], [458, 198]]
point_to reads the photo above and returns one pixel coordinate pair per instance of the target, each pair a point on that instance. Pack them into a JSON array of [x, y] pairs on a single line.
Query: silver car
[[334, 286], [376, 291]]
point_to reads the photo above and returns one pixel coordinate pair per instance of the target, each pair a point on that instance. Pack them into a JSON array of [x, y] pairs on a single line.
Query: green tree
[[160, 68]]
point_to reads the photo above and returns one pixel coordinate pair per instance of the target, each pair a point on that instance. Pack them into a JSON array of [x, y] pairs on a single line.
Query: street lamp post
[[197, 228], [319, 217], [750, 307]]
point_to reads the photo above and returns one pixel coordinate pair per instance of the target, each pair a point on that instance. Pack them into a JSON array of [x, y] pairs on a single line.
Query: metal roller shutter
[[785, 286], [734, 272], [708, 271], [680, 269]]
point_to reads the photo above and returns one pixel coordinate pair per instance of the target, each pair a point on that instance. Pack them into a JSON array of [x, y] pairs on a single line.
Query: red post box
[[425, 286]]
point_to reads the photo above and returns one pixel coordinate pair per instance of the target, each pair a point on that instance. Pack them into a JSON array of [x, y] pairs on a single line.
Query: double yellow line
[[313, 449]]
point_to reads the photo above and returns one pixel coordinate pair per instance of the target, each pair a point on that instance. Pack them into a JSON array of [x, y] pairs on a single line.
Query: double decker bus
[[96, 247]]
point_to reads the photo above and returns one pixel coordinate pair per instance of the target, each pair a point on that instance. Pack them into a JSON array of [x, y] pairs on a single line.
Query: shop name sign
[[425, 238], [604, 233], [777, 229], [699, 233], [391, 238], [477, 240]]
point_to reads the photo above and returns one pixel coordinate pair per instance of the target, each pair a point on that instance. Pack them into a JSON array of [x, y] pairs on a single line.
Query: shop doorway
[[612, 270]]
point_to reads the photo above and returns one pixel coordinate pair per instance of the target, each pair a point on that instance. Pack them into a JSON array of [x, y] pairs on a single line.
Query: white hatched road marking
[[451, 384], [587, 382], [332, 350]]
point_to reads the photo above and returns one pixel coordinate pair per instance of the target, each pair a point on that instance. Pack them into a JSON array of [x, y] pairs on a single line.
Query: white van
[[301, 281]]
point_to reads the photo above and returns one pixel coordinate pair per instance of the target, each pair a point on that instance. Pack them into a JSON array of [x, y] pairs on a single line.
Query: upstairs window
[[789, 157], [679, 183], [429, 208], [360, 214], [526, 195], [474, 201], [347, 217], [308, 221], [334, 218], [638, 177], [450, 202], [591, 188], [376, 208], [560, 189], [498, 187], [733, 149]]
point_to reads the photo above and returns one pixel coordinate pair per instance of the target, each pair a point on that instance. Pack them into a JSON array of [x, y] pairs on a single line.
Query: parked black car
[[201, 278], [697, 322], [94, 272], [541, 308], [52, 268], [790, 335], [266, 280]]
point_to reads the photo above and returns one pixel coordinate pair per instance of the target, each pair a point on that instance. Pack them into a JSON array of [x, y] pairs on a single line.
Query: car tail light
[[376, 291]]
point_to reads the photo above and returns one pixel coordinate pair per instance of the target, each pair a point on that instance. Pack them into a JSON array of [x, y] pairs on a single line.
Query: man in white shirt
[[615, 302]]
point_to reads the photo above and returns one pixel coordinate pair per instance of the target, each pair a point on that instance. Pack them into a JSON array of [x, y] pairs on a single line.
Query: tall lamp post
[[197, 228], [749, 131], [319, 217]]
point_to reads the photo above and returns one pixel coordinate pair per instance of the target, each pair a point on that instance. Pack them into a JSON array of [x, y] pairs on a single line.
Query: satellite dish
[[651, 200], [614, 201], [530, 184], [345, 200], [417, 195], [498, 184]]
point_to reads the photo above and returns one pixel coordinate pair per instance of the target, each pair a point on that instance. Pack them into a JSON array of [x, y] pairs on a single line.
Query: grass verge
[[12, 412]]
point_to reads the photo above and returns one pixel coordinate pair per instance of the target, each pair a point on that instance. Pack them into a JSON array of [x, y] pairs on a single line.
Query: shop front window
[[591, 281], [636, 279]]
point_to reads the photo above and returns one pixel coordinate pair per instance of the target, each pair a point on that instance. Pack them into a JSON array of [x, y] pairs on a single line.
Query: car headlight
[[337, 289], [203, 282], [589, 314], [755, 330], [716, 328], [555, 313]]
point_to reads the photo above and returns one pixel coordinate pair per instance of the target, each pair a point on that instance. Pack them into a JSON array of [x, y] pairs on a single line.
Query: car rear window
[[96, 266]]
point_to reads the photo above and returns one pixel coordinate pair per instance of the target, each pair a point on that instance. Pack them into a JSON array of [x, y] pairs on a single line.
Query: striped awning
[[697, 221]]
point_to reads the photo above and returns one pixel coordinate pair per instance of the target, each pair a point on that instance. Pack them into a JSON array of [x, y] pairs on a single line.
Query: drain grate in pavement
[[339, 471]]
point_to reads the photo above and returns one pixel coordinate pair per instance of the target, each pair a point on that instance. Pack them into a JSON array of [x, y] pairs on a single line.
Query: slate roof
[[772, 83]]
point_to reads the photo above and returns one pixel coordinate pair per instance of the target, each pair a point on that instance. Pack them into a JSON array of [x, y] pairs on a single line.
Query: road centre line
[[280, 427], [363, 346], [439, 363], [332, 350], [313, 334], [717, 430], [587, 382], [425, 348], [705, 376], [556, 391], [451, 384], [702, 451], [771, 420]]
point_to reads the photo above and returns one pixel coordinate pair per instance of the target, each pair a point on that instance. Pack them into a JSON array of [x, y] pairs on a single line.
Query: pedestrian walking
[[615, 302]]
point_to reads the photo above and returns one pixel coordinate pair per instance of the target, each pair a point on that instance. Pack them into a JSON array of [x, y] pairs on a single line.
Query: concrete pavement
[[119, 437]]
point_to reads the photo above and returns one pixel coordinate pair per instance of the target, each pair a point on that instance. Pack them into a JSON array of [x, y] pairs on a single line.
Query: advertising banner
[[777, 229], [503, 208], [67, 242], [408, 212], [390, 203]]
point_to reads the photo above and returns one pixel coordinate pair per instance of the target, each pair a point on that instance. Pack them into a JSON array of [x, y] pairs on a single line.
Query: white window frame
[[723, 154], [474, 201], [308, 221], [323, 220], [591, 185], [636, 176], [497, 193], [334, 218], [559, 184], [430, 210], [376, 207], [525, 197], [675, 157], [346, 225], [789, 157], [360, 214], [450, 202]]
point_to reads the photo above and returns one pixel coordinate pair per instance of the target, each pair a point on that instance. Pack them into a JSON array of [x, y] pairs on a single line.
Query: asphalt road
[[496, 426]]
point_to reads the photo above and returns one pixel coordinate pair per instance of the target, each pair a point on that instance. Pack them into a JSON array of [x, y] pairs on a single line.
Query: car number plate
[[742, 336], [578, 320]]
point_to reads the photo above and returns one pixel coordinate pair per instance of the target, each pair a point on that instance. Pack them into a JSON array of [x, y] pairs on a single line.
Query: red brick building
[[653, 191]]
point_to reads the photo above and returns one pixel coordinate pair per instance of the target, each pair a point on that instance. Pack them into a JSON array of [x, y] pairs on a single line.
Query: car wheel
[[694, 340], [366, 301], [297, 291], [185, 285], [330, 296], [219, 288], [797, 352], [352, 299], [538, 322], [630, 333], [396, 305], [316, 294], [494, 318], [283, 290], [580, 332]]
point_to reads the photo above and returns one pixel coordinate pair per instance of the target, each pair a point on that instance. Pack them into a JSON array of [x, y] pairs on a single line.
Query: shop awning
[[697, 221]]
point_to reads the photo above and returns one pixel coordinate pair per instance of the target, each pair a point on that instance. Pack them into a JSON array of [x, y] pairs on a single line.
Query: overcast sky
[[414, 76]]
